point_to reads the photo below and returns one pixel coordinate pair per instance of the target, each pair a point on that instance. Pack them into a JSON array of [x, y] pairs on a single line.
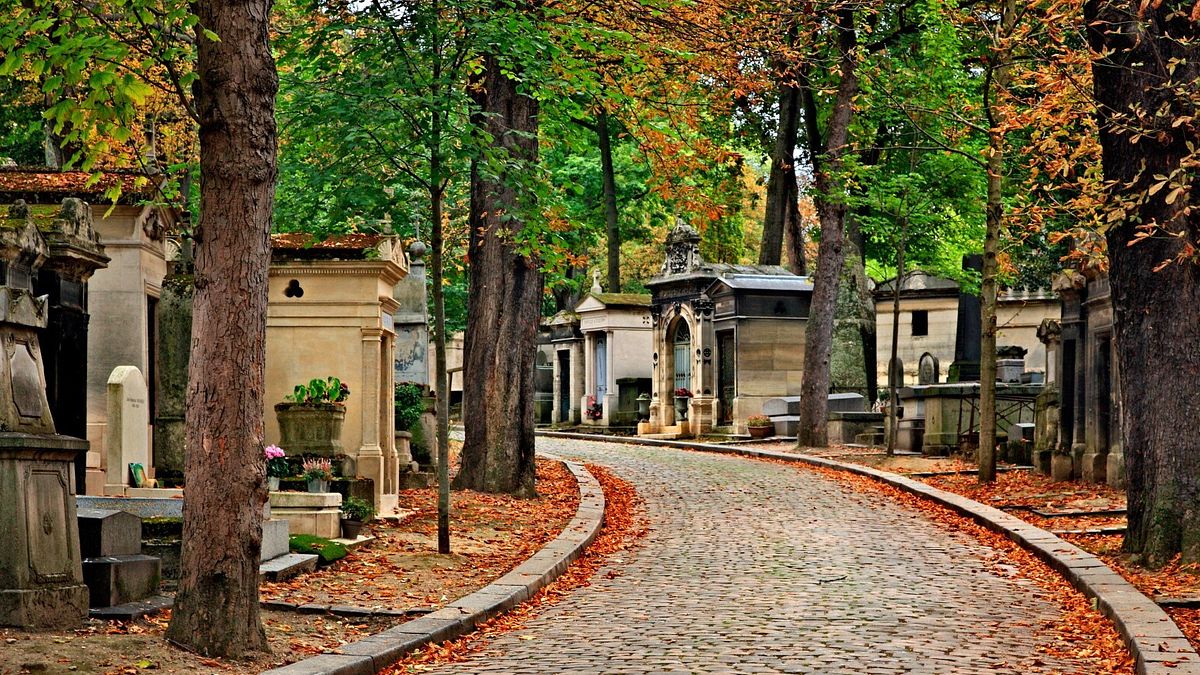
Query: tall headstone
[[968, 331], [125, 442], [174, 352], [75, 253], [928, 369], [41, 576]]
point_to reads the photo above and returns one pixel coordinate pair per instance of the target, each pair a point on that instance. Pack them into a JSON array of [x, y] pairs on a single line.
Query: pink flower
[[274, 452]]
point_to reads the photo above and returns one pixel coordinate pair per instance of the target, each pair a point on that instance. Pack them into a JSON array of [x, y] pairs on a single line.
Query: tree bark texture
[[1157, 314], [782, 192], [604, 134], [818, 345], [216, 609], [502, 303]]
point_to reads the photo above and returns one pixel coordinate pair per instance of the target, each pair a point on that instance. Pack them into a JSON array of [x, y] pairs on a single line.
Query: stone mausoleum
[[330, 313], [730, 335], [618, 355]]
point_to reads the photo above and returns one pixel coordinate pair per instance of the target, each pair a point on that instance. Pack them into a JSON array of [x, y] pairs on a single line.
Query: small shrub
[[759, 421], [357, 508], [410, 405]]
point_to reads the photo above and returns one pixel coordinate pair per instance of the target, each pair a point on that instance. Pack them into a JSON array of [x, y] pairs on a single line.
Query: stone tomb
[[566, 342], [41, 578], [618, 354], [848, 416], [126, 439], [731, 335], [114, 568]]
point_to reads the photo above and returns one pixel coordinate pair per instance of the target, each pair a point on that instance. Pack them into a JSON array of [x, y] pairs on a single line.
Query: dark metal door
[[726, 375], [564, 386]]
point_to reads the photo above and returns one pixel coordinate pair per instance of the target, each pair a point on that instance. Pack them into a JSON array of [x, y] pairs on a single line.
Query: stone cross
[[596, 282]]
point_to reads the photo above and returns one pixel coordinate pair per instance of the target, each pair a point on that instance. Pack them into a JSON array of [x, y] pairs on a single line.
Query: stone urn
[[311, 428], [760, 432], [643, 403], [681, 407]]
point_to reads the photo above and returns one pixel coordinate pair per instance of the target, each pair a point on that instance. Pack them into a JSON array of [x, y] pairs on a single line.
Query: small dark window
[[920, 322]]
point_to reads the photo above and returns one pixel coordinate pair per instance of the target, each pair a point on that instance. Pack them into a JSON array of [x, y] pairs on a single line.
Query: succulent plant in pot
[[356, 511]]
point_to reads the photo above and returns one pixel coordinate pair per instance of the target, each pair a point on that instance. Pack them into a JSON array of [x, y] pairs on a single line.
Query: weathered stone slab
[[116, 580]]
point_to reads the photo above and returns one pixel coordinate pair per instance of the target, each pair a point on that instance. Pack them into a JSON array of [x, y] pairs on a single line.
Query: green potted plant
[[318, 471], [760, 426], [356, 511], [310, 420]]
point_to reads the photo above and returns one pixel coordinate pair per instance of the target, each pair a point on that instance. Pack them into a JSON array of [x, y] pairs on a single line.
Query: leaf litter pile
[[624, 527], [400, 570]]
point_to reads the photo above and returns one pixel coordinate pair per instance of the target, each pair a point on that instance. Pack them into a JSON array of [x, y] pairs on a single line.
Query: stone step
[[352, 544], [287, 566]]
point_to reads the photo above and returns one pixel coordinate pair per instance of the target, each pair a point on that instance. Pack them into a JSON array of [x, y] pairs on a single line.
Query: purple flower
[[273, 452]]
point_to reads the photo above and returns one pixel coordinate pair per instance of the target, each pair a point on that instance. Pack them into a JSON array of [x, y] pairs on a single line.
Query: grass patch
[[330, 551]]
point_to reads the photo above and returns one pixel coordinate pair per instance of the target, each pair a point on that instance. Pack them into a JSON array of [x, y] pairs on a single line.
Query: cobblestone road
[[751, 567]]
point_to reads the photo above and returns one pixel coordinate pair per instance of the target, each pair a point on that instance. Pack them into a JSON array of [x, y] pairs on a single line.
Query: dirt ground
[[399, 570]]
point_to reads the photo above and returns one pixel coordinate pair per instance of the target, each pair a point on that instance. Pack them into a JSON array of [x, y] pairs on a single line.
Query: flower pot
[[318, 486], [681, 407], [273, 483], [760, 432], [351, 528], [311, 429]]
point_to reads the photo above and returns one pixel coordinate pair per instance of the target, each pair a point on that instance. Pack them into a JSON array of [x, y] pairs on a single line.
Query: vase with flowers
[[318, 471], [277, 466]]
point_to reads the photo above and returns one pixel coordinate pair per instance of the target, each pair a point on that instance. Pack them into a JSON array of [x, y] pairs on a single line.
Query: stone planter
[[351, 528], [318, 486], [311, 429], [681, 407], [760, 432], [273, 483]]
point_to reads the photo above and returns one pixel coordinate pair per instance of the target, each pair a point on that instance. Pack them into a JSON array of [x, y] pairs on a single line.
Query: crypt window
[[920, 322]]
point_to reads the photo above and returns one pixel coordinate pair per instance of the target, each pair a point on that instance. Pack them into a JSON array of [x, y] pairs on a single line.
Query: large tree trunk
[[610, 202], [818, 344], [216, 609], [781, 183], [503, 302], [1157, 313], [793, 230]]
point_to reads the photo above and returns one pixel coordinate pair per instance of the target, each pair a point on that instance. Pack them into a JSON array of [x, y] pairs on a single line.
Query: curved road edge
[[375, 653], [1156, 643]]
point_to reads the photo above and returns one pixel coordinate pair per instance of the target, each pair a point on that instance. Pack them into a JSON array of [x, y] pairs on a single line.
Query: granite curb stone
[[376, 652], [1154, 640]]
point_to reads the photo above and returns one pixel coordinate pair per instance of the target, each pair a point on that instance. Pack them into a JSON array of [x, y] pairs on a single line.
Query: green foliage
[[410, 405], [357, 508], [329, 551], [317, 391]]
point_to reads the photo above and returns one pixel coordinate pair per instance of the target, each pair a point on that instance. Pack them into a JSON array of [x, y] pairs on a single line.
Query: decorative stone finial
[[683, 249], [416, 250]]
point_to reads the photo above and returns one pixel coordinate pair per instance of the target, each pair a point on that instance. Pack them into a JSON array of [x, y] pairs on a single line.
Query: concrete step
[[352, 544], [287, 566]]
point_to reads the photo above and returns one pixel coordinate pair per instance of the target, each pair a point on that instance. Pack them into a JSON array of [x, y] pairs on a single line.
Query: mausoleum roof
[[786, 282], [623, 299], [919, 282], [51, 186]]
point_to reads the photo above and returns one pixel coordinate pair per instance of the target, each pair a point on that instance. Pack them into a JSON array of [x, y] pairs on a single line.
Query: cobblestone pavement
[[752, 567]]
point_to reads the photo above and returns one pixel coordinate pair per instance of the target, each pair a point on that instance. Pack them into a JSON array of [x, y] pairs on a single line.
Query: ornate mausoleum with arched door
[[727, 338]]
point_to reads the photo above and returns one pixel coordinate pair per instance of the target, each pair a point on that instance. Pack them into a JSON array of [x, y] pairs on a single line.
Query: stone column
[[611, 395], [75, 253], [576, 381], [368, 460], [589, 374]]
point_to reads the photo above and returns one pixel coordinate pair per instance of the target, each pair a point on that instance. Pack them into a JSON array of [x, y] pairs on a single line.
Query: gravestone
[[927, 369], [41, 578], [114, 568], [896, 372], [128, 421], [1010, 363], [411, 321], [174, 340], [968, 330]]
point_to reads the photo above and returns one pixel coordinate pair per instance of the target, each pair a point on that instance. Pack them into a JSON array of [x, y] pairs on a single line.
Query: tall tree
[[216, 608], [506, 287], [1145, 83], [831, 209]]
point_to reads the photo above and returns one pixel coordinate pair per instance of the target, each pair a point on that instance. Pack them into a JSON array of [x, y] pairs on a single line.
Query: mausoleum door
[[564, 386], [726, 375], [601, 368], [683, 357]]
